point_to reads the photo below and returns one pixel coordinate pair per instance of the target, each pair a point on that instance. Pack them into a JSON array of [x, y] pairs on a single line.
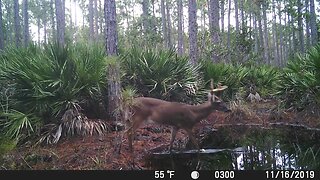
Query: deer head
[[216, 102]]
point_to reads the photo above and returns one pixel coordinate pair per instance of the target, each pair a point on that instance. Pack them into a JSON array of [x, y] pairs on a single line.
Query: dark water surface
[[248, 148]]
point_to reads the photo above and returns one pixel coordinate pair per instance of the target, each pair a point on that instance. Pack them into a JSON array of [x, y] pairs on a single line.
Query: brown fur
[[177, 115]]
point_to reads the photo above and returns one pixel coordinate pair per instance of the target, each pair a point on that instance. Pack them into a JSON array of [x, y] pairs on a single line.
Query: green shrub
[[229, 75], [161, 74], [299, 85], [47, 82], [262, 79], [241, 79]]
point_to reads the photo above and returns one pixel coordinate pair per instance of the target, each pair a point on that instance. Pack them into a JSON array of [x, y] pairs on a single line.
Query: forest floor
[[99, 152]]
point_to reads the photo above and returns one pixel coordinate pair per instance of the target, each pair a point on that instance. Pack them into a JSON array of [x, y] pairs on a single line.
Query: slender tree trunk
[[9, 35], [243, 20], [145, 17], [26, 23], [214, 14], [180, 30], [280, 62], [250, 24], [101, 19], [96, 16], [114, 86], [261, 42], [293, 31], [256, 38], [60, 21], [266, 39], [307, 13], [91, 25], [300, 26], [313, 24], [289, 37], [229, 31], [209, 13], [222, 15], [169, 25], [285, 46], [236, 15], [1, 30], [17, 23], [53, 24], [193, 31], [164, 24], [111, 26]]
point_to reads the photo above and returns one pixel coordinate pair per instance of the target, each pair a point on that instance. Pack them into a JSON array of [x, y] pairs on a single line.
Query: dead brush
[[241, 113]]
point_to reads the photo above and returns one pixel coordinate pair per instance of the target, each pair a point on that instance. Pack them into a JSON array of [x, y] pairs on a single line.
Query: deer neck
[[202, 111]]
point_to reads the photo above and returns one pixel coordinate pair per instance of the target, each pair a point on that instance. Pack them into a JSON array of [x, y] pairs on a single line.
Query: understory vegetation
[[52, 91]]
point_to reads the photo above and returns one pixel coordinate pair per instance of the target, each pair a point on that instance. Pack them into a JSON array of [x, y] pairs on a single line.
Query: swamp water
[[240, 147]]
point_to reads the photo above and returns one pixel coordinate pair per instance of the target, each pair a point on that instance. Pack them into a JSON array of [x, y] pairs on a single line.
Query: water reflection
[[251, 148]]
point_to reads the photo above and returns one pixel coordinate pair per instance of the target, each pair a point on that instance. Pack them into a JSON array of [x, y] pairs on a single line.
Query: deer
[[175, 114]]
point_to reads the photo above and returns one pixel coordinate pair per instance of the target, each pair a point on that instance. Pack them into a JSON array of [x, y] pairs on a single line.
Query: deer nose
[[228, 110]]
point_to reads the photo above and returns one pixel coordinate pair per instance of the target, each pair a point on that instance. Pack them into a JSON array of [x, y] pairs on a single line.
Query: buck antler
[[177, 115]]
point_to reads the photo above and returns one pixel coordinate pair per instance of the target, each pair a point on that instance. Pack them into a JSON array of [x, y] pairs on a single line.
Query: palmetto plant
[[262, 79], [48, 82], [161, 74], [300, 81], [229, 75]]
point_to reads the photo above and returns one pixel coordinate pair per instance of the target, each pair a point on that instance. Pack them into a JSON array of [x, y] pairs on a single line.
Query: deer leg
[[173, 136], [136, 121], [193, 139]]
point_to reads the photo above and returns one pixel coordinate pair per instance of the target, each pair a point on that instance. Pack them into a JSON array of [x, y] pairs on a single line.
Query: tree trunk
[[9, 35], [91, 26], [193, 31], [1, 30], [114, 86], [180, 30], [101, 19], [53, 24], [26, 23], [214, 29], [266, 39], [293, 32], [60, 21], [243, 20], [17, 23], [236, 15], [280, 46], [261, 42], [169, 25], [229, 31], [145, 17], [96, 15], [313, 24], [289, 37], [222, 16], [307, 13], [274, 33], [300, 26], [256, 38], [164, 24]]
